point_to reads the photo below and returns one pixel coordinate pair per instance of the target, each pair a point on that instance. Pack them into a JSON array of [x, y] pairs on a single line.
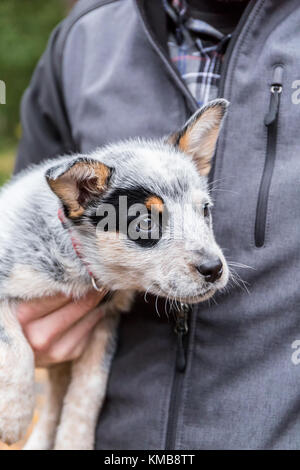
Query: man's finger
[[37, 308], [43, 332], [72, 342]]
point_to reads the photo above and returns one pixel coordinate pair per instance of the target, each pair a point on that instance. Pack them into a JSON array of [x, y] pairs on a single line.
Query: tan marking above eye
[[155, 201]]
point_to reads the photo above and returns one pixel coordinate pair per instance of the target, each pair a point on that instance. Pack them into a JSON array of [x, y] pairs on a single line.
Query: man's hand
[[58, 328]]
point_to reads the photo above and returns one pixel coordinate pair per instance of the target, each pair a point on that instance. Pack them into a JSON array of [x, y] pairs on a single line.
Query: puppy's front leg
[[43, 435], [87, 389], [16, 376]]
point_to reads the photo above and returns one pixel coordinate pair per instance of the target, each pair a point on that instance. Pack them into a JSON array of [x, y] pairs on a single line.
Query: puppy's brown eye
[[206, 210], [145, 225]]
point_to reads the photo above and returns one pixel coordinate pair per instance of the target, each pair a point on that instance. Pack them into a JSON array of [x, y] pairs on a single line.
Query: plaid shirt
[[199, 61]]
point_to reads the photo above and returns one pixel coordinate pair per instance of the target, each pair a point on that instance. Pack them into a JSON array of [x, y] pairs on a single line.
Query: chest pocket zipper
[[271, 122]]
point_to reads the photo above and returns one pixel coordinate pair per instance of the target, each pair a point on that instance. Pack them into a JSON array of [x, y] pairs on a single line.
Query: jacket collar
[[154, 18]]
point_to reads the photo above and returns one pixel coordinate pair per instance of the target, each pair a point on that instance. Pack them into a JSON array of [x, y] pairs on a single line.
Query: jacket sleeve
[[46, 131]]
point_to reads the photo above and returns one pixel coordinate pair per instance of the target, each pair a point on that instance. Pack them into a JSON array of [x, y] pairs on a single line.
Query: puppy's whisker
[[237, 276], [238, 281], [226, 191], [239, 265], [156, 306], [219, 180], [166, 303], [145, 295]]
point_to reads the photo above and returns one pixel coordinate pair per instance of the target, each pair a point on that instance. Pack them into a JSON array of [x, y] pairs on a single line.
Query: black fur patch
[[138, 195]]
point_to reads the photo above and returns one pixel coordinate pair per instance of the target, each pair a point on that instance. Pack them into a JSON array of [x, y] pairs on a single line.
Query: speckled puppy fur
[[37, 259]]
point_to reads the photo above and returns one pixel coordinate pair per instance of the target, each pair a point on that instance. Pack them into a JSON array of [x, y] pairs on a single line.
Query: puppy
[[130, 217]]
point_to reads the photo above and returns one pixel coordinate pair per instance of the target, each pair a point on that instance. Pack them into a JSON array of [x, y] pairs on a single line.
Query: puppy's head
[[141, 211]]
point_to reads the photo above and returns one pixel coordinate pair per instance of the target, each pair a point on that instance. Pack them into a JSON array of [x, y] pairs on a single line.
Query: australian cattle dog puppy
[[131, 217]]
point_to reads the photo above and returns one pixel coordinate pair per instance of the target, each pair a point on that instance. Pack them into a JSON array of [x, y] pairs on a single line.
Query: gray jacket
[[106, 76]]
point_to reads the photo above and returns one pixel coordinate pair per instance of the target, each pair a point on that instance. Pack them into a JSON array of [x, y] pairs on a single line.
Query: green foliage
[[6, 164], [25, 26]]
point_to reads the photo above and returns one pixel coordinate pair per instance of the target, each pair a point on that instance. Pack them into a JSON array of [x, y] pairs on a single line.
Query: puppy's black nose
[[211, 270]]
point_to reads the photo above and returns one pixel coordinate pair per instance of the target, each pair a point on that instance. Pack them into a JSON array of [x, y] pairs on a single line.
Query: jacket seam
[[59, 49]]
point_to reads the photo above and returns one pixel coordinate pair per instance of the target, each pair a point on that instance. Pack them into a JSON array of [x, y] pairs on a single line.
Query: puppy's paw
[[16, 410], [69, 439], [17, 394], [38, 441]]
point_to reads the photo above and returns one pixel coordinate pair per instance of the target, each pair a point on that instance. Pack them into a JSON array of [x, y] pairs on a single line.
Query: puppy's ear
[[199, 135], [77, 182]]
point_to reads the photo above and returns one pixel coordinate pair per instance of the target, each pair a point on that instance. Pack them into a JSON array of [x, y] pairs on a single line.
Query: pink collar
[[76, 245]]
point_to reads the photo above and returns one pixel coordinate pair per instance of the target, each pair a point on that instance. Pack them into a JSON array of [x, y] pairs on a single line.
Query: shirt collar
[[190, 29]]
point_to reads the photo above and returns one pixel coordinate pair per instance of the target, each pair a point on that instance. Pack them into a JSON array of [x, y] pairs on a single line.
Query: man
[[115, 69]]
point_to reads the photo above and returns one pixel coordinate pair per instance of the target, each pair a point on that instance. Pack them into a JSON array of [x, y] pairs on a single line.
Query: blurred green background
[[25, 26]]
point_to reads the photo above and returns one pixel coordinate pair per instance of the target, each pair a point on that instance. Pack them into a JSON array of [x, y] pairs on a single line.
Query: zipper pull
[[276, 90], [181, 329], [274, 104]]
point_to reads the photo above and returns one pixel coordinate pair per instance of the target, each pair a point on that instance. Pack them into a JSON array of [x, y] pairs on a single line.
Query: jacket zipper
[[271, 122], [181, 330]]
